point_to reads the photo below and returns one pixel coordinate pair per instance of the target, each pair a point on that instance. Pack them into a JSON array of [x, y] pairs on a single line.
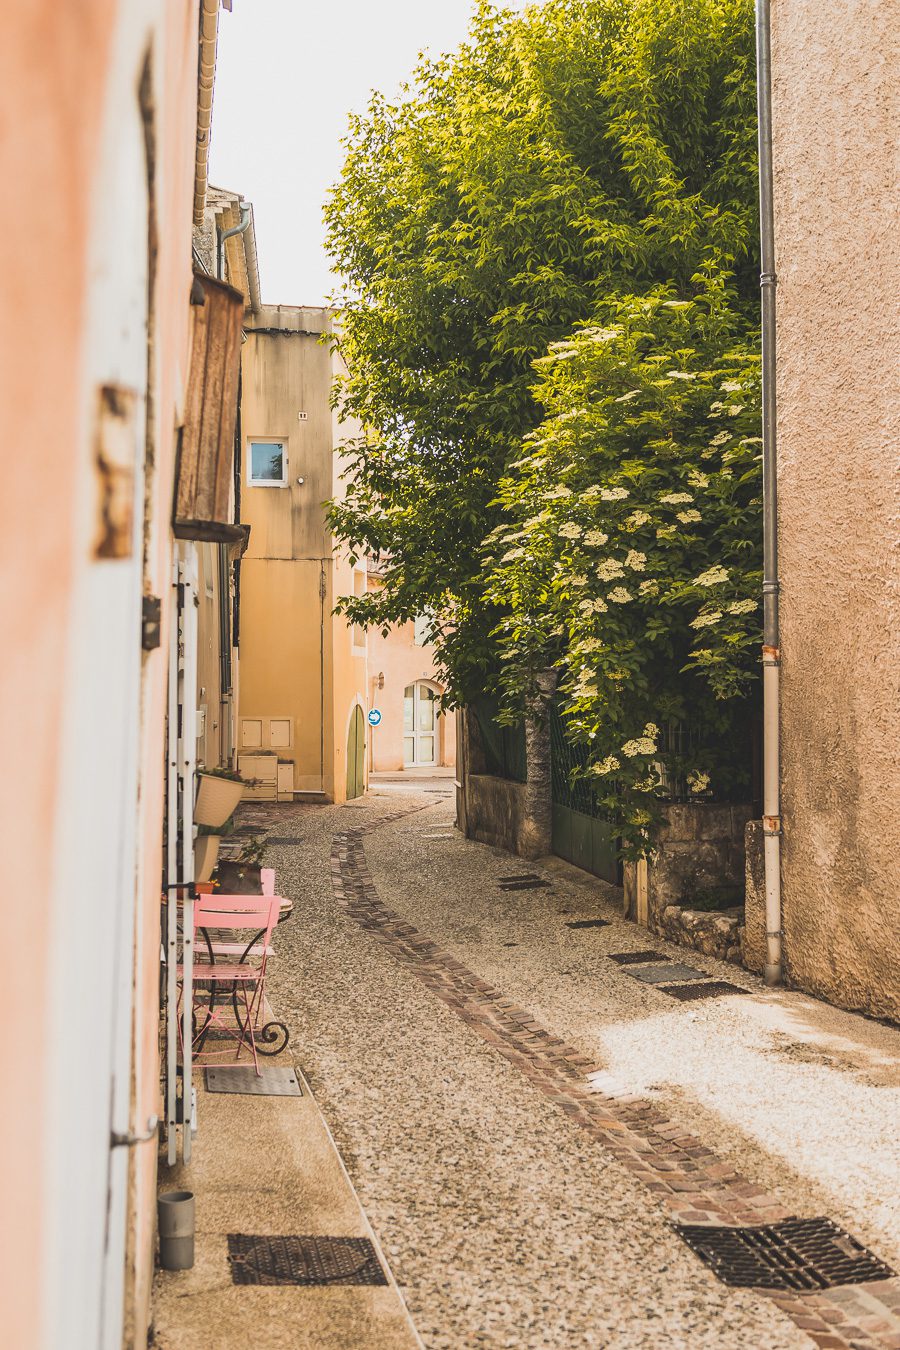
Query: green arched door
[[356, 754]]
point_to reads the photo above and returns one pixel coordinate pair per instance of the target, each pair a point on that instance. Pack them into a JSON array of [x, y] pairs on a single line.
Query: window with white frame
[[266, 463], [422, 629]]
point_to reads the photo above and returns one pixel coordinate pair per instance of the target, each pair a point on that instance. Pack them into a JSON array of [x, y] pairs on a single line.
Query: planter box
[[217, 799], [206, 855]]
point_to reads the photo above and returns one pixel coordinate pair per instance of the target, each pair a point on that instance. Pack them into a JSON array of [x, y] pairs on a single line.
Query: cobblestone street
[[524, 1118]]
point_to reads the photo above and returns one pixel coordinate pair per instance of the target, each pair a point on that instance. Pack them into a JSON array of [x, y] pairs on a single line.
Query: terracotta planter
[[206, 855], [216, 800]]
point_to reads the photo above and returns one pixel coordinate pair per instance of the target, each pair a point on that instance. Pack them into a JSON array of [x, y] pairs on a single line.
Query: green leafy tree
[[628, 553], [550, 177]]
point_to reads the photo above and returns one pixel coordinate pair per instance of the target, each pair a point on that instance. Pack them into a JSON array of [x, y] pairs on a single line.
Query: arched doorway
[[356, 754], [420, 725]]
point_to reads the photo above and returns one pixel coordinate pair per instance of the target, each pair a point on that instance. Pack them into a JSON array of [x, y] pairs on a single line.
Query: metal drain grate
[[303, 1260], [666, 974], [793, 1254], [587, 923], [709, 989], [635, 958], [526, 883], [271, 1081]]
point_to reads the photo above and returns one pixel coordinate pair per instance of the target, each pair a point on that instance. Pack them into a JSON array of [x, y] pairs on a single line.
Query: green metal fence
[[581, 832], [504, 747]]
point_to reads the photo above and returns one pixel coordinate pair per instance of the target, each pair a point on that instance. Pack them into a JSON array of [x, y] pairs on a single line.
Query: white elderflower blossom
[[689, 517], [651, 729], [609, 569], [649, 588], [697, 479], [704, 620], [635, 560], [586, 606], [570, 530], [714, 577], [591, 493], [722, 437], [557, 494], [642, 746], [730, 386], [734, 408], [626, 398], [619, 596], [578, 580], [742, 607], [637, 519], [513, 553], [680, 375], [608, 765], [600, 607], [666, 532], [596, 538], [716, 407], [616, 494], [697, 781], [677, 498]]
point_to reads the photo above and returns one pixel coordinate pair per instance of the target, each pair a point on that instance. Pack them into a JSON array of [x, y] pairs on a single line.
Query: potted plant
[[241, 875], [218, 795], [206, 853]]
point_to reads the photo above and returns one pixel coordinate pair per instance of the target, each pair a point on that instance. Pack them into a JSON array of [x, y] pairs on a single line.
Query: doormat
[[794, 1254], [708, 989], [273, 1080], [303, 1260]]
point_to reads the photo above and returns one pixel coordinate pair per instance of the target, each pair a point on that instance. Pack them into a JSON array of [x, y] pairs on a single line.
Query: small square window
[[267, 463]]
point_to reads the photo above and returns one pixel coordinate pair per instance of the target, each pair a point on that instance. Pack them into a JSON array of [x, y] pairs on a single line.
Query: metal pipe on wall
[[771, 651]]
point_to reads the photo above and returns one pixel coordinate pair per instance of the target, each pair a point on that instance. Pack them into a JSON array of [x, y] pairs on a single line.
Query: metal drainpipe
[[771, 652], [222, 235]]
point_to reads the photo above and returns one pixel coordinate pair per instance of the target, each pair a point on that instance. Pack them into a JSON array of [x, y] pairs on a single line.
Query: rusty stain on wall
[[115, 455]]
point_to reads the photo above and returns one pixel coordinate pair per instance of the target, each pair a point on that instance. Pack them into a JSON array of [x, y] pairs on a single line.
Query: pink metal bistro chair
[[242, 983]]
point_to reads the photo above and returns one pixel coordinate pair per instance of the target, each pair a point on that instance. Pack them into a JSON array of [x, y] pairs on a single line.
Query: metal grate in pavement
[[635, 958], [708, 989], [666, 974], [283, 840], [303, 1260], [520, 876], [793, 1254], [272, 1081], [587, 923], [524, 884]]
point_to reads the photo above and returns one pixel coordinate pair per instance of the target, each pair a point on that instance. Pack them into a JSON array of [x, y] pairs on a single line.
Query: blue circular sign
[[374, 717]]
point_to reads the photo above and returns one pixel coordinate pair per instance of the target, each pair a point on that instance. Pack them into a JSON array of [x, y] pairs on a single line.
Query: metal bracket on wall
[[151, 622]]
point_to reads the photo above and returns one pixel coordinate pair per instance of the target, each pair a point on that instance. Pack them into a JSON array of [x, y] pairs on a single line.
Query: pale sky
[[288, 73]]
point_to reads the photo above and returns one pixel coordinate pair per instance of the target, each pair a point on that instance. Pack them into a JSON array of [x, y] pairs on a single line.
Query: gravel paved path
[[505, 1222]]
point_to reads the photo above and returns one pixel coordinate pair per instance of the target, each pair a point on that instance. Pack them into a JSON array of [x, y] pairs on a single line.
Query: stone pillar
[[536, 838]]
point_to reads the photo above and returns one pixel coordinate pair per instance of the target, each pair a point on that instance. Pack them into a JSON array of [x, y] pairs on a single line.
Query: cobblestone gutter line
[[684, 1176]]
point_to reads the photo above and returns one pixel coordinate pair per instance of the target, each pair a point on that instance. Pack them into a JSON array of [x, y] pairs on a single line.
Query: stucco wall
[[402, 663], [83, 725], [836, 114]]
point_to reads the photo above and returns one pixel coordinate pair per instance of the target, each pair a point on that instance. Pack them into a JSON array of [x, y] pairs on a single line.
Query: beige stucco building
[[836, 110], [308, 679]]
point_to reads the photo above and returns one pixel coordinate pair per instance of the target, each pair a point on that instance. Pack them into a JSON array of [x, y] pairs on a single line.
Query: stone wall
[[495, 810], [699, 851]]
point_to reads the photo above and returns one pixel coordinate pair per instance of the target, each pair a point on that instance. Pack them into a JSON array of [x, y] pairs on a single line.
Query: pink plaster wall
[[402, 663], [836, 114], [53, 66], [54, 72]]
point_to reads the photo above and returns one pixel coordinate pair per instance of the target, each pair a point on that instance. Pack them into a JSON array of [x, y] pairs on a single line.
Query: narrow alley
[[524, 1112]]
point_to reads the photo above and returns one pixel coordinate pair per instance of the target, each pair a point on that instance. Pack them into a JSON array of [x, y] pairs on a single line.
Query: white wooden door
[[420, 725]]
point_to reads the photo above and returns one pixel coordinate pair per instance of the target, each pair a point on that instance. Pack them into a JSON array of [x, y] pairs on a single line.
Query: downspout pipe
[[771, 652], [222, 235]]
